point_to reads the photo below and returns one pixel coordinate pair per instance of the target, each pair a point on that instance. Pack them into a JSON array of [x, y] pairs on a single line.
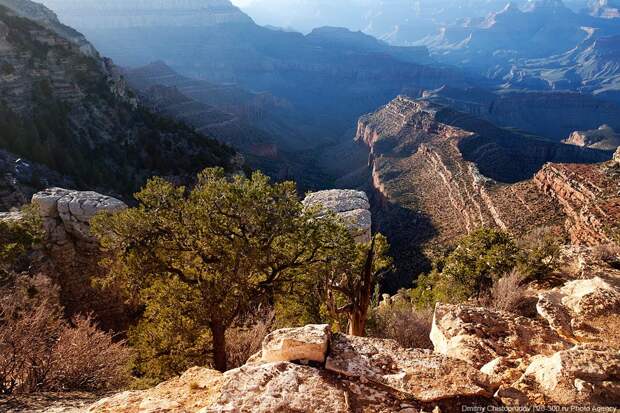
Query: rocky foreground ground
[[566, 355]]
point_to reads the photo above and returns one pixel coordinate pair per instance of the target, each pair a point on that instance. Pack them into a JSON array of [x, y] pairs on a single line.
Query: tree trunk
[[357, 323], [218, 331]]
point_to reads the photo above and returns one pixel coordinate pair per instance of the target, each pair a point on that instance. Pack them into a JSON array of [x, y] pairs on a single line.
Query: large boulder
[[576, 303], [617, 156], [256, 388], [578, 376], [479, 335], [72, 210], [307, 343], [351, 206], [418, 373]]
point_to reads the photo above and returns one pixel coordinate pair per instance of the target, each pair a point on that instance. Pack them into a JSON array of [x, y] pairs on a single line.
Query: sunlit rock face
[[351, 206], [146, 13]]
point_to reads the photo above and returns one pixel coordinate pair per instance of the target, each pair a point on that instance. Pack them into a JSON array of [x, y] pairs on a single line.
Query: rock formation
[[73, 254], [602, 138], [356, 375], [67, 214], [617, 156], [351, 206], [589, 196], [443, 173]]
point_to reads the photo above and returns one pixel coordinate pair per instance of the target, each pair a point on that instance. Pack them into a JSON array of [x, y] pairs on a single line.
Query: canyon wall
[[433, 168]]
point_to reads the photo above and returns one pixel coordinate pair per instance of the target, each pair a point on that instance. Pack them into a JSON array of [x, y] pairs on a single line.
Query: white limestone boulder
[[71, 211], [351, 206], [425, 376], [582, 375], [309, 343], [479, 335]]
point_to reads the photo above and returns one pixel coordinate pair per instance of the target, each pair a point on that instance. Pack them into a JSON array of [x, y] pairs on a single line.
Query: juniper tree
[[198, 258]]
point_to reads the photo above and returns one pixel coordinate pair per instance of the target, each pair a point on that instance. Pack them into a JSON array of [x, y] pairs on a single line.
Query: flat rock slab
[[307, 343], [259, 388], [425, 376], [479, 335]]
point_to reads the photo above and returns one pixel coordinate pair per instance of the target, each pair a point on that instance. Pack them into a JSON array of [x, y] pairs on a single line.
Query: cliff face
[[431, 167], [73, 112], [589, 196], [553, 114], [602, 138]]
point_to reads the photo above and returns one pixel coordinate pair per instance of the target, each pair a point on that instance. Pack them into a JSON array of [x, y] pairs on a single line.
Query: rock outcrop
[[480, 336], [351, 206], [358, 375], [73, 254], [583, 375], [67, 214], [589, 196], [617, 156], [421, 374], [604, 138]]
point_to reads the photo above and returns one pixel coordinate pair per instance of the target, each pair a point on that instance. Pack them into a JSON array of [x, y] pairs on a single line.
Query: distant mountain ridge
[[73, 112], [117, 14]]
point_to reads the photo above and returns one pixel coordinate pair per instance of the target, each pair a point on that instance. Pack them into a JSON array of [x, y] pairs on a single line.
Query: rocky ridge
[[481, 357], [441, 174]]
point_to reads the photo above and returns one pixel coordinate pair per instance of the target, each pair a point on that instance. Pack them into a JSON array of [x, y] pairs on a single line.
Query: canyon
[[65, 107], [439, 174]]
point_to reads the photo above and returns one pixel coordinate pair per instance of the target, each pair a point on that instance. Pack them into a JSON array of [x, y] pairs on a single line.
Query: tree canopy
[[197, 258]]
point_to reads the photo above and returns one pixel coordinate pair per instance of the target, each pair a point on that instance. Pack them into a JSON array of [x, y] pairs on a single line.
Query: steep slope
[[590, 198], [440, 174], [73, 112]]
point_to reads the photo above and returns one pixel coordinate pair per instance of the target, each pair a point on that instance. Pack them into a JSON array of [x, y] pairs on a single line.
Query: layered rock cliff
[[590, 199], [73, 112], [441, 174]]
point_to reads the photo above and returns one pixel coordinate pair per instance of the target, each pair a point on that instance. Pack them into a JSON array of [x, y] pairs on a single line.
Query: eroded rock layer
[[442, 173]]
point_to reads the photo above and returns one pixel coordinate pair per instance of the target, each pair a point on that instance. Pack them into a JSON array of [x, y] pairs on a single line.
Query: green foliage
[[479, 259], [482, 258], [17, 239], [197, 259], [539, 255]]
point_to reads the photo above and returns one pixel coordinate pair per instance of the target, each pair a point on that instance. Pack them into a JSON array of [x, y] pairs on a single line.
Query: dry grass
[[403, 323], [41, 351], [245, 338], [608, 253]]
